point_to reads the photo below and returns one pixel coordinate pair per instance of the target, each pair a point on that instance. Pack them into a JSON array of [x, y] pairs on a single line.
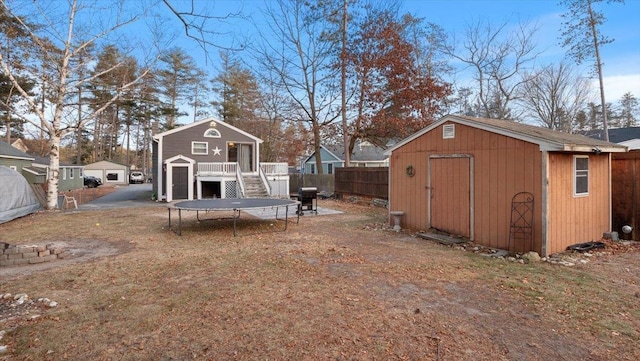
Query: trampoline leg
[[179, 222], [235, 217], [286, 217]]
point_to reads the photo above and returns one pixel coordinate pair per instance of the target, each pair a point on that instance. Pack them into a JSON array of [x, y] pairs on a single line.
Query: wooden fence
[[324, 182], [625, 192], [369, 182]]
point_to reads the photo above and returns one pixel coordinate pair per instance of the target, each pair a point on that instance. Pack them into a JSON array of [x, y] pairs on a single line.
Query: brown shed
[[503, 184]]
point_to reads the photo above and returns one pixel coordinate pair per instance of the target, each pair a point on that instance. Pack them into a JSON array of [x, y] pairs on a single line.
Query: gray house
[[212, 159]]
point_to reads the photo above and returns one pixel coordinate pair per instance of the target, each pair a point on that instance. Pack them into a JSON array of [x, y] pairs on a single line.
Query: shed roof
[[547, 139], [103, 163]]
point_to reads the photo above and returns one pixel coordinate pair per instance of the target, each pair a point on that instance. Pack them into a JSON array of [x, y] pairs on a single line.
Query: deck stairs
[[254, 187]]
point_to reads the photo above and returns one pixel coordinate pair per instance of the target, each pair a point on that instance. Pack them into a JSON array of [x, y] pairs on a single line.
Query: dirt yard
[[333, 287]]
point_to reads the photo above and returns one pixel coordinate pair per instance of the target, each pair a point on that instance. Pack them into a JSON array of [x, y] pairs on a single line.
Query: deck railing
[[222, 168], [275, 168], [229, 168]]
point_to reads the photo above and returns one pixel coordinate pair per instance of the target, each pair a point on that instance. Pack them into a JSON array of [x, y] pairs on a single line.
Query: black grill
[[308, 197]]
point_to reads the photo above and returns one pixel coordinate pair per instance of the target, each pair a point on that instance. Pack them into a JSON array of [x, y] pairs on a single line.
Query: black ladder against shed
[[521, 231]]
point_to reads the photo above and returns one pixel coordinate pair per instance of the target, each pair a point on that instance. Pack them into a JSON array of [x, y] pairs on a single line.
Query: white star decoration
[[216, 151]]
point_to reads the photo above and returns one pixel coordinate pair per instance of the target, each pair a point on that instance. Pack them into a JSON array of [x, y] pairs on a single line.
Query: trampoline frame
[[235, 205]]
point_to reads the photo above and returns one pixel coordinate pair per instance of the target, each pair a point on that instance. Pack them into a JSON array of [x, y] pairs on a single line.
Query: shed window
[[199, 148], [580, 175], [448, 131], [212, 133]]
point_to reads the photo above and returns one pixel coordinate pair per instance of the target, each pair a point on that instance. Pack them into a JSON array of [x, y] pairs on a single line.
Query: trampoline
[[234, 205]]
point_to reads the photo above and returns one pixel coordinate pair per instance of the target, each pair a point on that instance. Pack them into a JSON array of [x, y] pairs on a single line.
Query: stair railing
[[240, 180], [265, 181]]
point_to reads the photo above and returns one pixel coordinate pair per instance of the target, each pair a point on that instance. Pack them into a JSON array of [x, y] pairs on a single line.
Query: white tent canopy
[[16, 196]]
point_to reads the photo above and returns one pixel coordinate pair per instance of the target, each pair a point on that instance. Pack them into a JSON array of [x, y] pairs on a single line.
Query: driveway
[[134, 195]]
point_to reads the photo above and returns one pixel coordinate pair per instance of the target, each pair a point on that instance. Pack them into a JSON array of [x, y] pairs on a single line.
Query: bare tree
[[57, 45], [582, 36], [555, 96], [499, 58], [300, 58]]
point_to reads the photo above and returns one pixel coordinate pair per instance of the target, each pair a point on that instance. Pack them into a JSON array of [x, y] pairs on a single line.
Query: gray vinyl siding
[[180, 143]]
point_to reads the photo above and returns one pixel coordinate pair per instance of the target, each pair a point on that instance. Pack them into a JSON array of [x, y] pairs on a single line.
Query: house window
[[580, 175], [329, 168], [200, 148], [13, 167], [313, 169], [71, 171], [448, 131], [212, 133]]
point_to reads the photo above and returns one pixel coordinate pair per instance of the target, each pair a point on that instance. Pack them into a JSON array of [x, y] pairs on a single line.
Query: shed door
[[450, 195], [180, 180]]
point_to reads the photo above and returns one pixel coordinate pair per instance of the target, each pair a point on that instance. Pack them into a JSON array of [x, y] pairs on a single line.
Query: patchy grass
[[337, 287]]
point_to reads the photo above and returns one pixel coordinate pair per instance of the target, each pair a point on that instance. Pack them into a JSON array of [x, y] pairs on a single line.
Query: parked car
[[136, 177], [91, 181]]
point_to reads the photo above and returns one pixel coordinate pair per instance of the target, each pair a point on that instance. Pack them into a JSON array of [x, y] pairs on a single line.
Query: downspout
[[609, 196], [160, 165], [544, 236], [257, 156], [389, 189]]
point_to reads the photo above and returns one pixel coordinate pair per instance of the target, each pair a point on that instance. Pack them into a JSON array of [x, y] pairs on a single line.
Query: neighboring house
[[13, 158], [19, 144], [629, 136], [69, 175], [330, 161], [625, 176], [36, 169], [110, 173], [212, 159], [365, 154], [461, 174]]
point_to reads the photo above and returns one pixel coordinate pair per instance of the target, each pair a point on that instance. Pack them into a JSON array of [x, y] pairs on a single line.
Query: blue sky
[[621, 58]]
